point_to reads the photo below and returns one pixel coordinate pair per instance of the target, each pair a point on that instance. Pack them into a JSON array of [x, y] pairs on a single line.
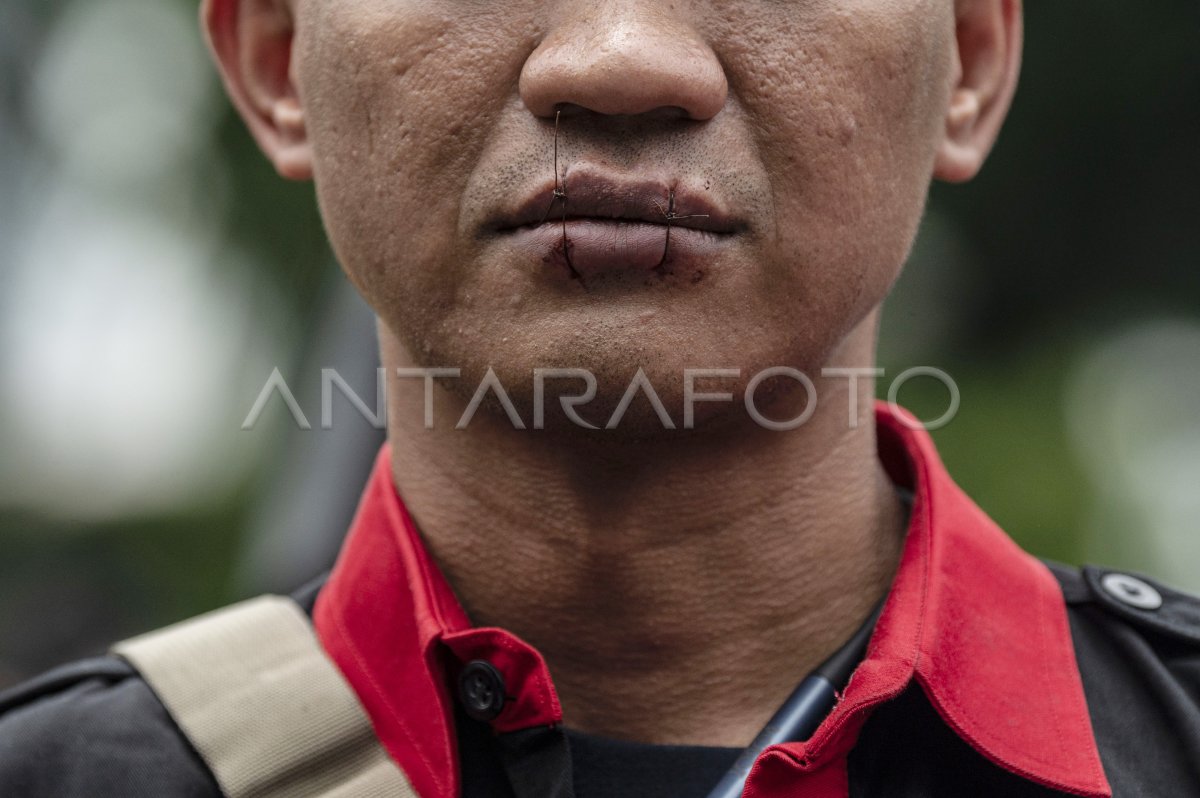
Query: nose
[[628, 57]]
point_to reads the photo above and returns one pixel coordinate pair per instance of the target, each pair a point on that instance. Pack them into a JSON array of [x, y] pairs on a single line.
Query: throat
[[651, 632]]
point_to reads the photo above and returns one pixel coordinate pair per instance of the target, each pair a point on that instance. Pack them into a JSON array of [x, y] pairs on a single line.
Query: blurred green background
[[155, 271]]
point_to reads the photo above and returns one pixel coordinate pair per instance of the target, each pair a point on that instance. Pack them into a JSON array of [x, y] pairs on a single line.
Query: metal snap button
[[481, 689], [1132, 591]]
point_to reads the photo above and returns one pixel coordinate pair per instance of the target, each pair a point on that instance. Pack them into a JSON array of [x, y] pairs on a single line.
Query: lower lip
[[594, 247]]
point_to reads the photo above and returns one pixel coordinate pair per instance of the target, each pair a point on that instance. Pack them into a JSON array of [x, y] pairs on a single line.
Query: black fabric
[[605, 768], [481, 766], [906, 751], [94, 729], [1141, 675], [538, 762], [91, 730], [601, 767]]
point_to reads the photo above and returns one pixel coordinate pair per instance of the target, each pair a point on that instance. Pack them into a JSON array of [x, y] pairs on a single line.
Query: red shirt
[[970, 617]]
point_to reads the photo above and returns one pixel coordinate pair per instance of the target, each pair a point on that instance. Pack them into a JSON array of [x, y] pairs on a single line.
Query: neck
[[666, 583]]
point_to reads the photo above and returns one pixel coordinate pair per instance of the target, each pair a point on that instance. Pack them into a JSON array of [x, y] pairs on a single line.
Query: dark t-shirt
[[601, 767], [604, 768]]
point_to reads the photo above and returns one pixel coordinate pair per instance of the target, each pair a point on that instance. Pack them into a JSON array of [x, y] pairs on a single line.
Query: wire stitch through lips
[[560, 193]]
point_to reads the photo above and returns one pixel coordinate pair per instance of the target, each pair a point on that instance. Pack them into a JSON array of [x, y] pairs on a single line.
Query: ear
[[251, 41], [988, 60]]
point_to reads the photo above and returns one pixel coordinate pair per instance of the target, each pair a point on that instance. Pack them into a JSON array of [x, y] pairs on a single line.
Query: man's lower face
[[624, 184]]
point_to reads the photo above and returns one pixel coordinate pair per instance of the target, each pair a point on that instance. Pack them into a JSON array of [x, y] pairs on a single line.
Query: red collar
[[975, 620]]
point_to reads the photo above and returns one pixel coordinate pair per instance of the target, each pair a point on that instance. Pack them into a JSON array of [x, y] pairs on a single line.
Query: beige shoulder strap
[[268, 711]]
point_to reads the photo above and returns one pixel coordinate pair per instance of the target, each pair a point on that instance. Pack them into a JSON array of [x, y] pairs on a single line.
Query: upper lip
[[591, 195]]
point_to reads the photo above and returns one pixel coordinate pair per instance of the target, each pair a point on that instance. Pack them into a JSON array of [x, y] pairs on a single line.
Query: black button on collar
[[481, 689]]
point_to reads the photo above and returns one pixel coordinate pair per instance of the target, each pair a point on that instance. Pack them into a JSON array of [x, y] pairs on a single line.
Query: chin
[[627, 375]]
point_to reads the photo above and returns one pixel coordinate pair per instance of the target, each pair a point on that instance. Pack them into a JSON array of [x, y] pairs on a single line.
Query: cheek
[[848, 101], [399, 95]]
